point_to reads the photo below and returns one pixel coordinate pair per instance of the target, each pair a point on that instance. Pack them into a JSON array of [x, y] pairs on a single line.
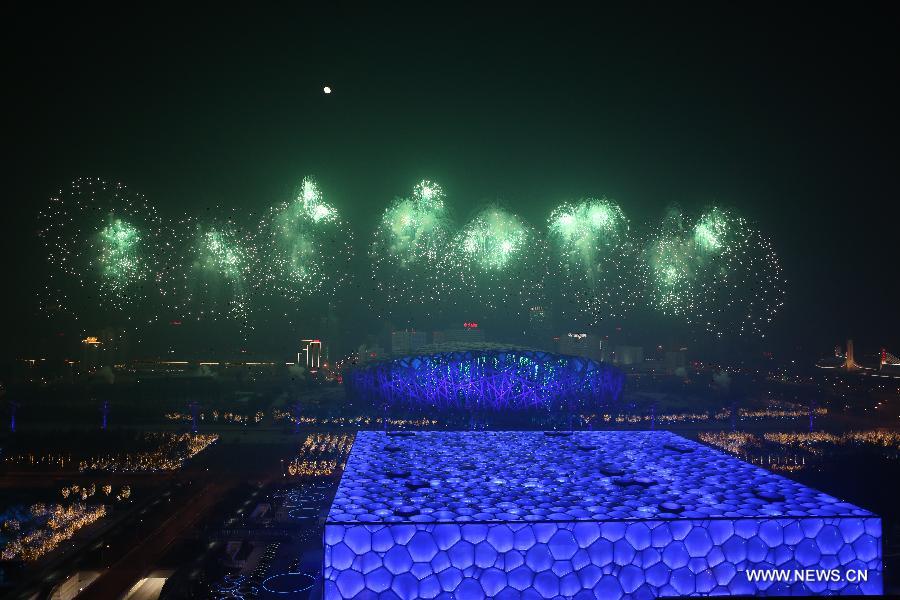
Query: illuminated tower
[[91, 348], [849, 362], [310, 354], [407, 341]]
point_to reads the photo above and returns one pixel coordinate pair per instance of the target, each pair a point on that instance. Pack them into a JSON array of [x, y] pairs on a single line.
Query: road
[[121, 576], [223, 468], [147, 588]]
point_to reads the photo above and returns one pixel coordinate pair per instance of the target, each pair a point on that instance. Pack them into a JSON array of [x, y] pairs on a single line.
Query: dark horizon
[[792, 124]]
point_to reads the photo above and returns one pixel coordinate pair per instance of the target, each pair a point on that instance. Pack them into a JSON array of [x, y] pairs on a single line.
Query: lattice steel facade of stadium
[[489, 379]]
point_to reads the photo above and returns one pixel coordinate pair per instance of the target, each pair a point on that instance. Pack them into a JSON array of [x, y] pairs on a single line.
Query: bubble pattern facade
[[583, 515]]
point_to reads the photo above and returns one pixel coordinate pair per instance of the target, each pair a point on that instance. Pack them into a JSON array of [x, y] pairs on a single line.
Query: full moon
[[326, 89]]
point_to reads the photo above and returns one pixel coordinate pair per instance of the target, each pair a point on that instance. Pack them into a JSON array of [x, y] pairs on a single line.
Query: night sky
[[789, 117]]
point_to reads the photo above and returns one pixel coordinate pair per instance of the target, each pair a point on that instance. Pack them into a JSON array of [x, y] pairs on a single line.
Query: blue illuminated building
[[637, 514], [488, 379]]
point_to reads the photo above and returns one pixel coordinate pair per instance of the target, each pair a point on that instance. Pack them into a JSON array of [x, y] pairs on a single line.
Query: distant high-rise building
[[675, 359], [629, 355], [469, 333], [107, 349], [582, 344], [407, 341], [91, 354], [310, 354]]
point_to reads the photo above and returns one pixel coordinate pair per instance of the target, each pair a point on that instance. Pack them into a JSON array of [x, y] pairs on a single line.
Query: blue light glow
[[288, 584], [591, 514], [489, 379]]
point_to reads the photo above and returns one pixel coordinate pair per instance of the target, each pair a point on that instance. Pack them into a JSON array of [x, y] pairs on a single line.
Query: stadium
[[486, 377]]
